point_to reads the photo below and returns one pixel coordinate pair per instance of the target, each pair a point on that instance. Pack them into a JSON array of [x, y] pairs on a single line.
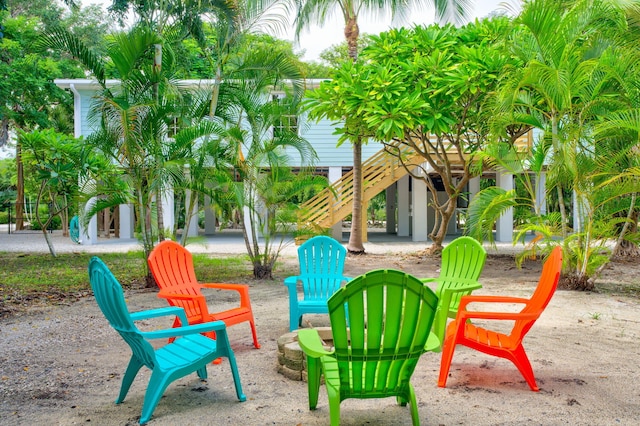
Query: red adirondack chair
[[508, 346], [172, 267]]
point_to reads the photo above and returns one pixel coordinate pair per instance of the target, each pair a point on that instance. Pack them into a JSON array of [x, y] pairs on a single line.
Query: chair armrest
[[292, 286], [160, 312], [309, 341], [242, 289], [433, 343], [166, 295], [465, 315], [465, 300], [292, 281], [217, 326], [226, 286]]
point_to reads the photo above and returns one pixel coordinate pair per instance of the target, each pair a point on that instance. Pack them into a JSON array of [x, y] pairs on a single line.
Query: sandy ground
[[62, 365]]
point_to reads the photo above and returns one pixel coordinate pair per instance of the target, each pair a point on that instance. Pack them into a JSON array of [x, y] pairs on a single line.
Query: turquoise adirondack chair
[[321, 261], [390, 316], [190, 352], [74, 230], [462, 263]]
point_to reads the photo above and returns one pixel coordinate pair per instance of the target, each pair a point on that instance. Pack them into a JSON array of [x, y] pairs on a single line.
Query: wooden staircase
[[333, 204], [380, 171]]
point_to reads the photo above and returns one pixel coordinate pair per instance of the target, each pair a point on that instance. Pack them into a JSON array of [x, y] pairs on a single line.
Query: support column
[[474, 187], [504, 225], [168, 210], [127, 223], [390, 208], [364, 223], [334, 175], [403, 207], [419, 192], [209, 217], [193, 223], [541, 193]]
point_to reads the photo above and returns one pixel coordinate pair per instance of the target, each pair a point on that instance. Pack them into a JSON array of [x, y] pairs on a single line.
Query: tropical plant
[[58, 162], [267, 188], [132, 119], [574, 74], [316, 12]]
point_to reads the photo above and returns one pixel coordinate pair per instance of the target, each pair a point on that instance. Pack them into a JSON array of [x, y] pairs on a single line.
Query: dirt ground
[[62, 365]]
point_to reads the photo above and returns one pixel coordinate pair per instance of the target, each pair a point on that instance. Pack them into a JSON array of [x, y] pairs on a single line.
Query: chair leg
[[130, 374], [156, 387], [236, 376], [521, 360], [445, 361], [334, 406], [294, 318], [313, 381], [202, 372], [415, 417], [255, 334]]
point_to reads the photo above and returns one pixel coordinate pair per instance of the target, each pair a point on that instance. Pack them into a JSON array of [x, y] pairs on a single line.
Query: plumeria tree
[[319, 12], [427, 88]]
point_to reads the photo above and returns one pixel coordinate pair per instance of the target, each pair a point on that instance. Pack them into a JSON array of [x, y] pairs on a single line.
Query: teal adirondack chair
[[190, 352], [390, 316], [321, 261], [462, 263], [74, 230]]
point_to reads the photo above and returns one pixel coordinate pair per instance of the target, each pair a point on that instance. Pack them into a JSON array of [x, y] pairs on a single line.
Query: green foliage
[[57, 162], [27, 92]]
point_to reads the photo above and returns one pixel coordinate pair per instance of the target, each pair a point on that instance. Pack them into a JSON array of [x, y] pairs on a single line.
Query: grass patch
[[23, 276]]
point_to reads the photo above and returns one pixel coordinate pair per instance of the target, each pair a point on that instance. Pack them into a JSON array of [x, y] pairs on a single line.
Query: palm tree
[[318, 11], [266, 188], [132, 118], [573, 75]]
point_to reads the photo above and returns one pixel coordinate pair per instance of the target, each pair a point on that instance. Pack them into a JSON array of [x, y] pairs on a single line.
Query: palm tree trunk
[[563, 211]]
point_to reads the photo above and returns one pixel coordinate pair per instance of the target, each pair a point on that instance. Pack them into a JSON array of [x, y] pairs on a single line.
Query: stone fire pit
[[291, 362]]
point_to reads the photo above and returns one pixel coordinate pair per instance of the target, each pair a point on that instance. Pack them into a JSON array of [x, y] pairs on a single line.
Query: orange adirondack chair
[[172, 267], [508, 346]]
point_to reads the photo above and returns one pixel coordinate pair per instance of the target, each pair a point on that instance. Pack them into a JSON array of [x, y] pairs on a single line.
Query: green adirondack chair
[[462, 263], [390, 316], [190, 352]]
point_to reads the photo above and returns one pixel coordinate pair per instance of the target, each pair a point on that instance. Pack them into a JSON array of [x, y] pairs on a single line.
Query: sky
[[316, 39]]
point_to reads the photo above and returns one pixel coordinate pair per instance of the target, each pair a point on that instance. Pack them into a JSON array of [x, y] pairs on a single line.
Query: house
[[408, 210]]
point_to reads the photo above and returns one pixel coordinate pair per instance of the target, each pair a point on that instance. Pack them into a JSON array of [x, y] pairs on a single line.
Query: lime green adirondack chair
[[462, 263], [190, 352], [390, 316]]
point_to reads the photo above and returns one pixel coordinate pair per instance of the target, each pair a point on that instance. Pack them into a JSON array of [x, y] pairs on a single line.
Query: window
[[286, 122]]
